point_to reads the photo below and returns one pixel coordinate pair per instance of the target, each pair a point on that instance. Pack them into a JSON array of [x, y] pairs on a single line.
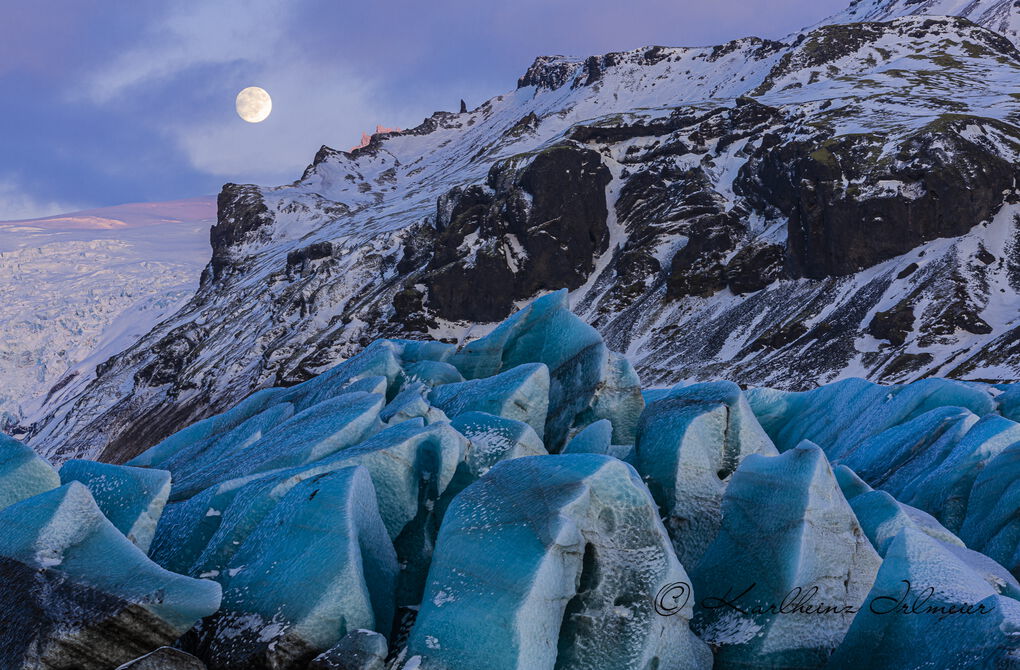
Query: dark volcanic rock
[[841, 222], [241, 215], [532, 227], [698, 269], [755, 266], [893, 325], [48, 622]]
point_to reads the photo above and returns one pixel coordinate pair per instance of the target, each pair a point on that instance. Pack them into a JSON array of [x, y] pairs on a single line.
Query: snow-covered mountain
[[1002, 16], [77, 288], [842, 202]]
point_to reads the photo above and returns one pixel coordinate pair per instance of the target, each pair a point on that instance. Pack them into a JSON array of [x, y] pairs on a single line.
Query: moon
[[253, 104]]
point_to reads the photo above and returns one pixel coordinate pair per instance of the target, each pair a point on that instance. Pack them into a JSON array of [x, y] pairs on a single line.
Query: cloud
[[207, 52], [16, 204], [190, 34]]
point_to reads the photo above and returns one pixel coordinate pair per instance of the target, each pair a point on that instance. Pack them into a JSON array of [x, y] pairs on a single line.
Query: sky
[[112, 102]]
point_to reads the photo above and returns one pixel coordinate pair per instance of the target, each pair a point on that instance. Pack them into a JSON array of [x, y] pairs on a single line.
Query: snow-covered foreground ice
[[78, 288], [519, 503]]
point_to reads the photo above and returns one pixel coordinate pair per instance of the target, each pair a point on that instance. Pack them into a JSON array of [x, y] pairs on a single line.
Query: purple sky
[[105, 103]]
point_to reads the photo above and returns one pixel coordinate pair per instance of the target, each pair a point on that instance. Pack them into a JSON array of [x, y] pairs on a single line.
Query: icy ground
[[80, 287]]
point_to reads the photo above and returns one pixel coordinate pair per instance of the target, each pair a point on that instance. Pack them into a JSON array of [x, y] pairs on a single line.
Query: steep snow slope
[[77, 288], [781, 213], [1002, 16]]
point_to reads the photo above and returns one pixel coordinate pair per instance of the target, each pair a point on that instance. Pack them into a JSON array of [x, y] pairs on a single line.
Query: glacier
[[416, 507], [539, 384]]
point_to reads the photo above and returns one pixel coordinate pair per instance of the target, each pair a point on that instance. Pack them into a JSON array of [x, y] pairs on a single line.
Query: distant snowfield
[[77, 288]]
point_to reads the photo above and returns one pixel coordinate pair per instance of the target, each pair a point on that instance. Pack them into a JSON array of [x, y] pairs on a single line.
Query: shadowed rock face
[[530, 228], [942, 185], [241, 215]]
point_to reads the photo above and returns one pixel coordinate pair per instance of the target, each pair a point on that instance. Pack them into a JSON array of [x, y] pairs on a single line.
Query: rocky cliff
[[842, 202]]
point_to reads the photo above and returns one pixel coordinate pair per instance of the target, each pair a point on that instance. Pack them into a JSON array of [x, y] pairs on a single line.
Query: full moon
[[253, 104]]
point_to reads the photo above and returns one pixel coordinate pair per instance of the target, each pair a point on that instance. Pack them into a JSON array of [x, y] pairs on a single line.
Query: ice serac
[[131, 498], [865, 409], [322, 429], [689, 443], [928, 609], [319, 565], [207, 453], [411, 466], [595, 438], [849, 483], [898, 458], [23, 473], [358, 650], [584, 378], [411, 402], [882, 517], [945, 489], [787, 531], [492, 439], [74, 592], [521, 393], [207, 428], [991, 525], [553, 561]]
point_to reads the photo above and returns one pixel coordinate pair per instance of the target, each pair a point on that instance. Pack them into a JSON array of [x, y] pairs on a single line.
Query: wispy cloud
[[314, 103], [16, 204]]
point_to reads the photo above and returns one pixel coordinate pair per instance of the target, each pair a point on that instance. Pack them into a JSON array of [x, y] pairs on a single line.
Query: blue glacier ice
[[22, 473], [186, 526], [617, 399], [849, 483], [415, 477], [410, 464], [521, 393], [991, 524], [382, 358], [1008, 402], [210, 452], [689, 442], [207, 428], [131, 498], [944, 491], [492, 439], [319, 431], [907, 621], [584, 378], [553, 561], [595, 438], [841, 415], [319, 564], [411, 402], [883, 517], [895, 458], [785, 526], [76, 593], [432, 373]]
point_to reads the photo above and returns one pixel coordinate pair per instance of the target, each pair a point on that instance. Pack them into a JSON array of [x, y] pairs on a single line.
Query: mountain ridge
[[700, 227]]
